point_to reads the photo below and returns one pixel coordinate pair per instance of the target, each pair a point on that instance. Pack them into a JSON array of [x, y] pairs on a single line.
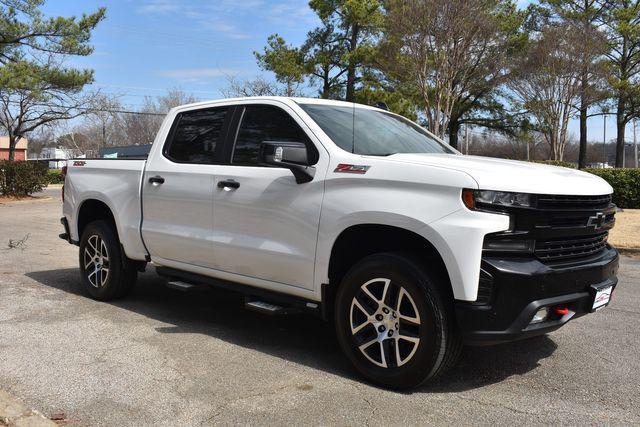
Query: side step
[[264, 307], [180, 286], [273, 309], [257, 299]]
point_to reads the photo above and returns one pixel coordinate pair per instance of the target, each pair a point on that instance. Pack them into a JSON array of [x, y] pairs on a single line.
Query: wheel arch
[[359, 241], [92, 209]]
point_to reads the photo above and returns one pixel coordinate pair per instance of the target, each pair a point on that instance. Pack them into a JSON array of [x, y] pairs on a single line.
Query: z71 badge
[[346, 168]]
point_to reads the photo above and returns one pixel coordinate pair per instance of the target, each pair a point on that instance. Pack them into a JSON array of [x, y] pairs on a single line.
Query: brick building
[[21, 149]]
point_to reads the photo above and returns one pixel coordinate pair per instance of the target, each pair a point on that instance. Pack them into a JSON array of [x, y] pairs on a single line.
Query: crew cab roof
[[286, 99]]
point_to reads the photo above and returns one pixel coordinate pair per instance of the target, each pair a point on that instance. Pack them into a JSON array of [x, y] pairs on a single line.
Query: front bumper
[[519, 287]]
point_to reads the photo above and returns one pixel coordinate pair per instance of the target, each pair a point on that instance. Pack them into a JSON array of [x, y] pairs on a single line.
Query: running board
[[180, 286], [255, 298], [264, 307]]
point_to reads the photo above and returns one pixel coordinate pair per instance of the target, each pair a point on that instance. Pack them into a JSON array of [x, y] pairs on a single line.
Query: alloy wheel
[[96, 261], [385, 323]]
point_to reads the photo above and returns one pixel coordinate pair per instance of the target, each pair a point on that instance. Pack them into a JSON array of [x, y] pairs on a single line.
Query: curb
[[628, 251], [14, 413]]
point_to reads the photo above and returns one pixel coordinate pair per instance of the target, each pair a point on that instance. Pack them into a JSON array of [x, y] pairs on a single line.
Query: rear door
[[177, 188], [265, 226]]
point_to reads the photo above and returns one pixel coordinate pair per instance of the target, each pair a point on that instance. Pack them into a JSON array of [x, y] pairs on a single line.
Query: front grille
[[573, 202], [556, 229], [566, 249]]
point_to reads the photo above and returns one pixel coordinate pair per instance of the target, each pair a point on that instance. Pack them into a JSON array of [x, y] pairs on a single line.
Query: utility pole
[[635, 145], [104, 134], [466, 139], [604, 141]]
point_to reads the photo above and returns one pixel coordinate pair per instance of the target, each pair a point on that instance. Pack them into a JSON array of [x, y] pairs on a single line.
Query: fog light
[[540, 316]]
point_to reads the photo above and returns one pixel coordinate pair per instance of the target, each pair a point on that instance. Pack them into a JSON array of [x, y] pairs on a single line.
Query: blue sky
[[145, 47]]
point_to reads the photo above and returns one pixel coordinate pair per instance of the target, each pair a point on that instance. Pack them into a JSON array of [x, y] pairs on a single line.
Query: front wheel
[[106, 271], [393, 323]]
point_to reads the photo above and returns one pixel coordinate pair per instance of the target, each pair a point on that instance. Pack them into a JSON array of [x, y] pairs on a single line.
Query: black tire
[[440, 343], [115, 275]]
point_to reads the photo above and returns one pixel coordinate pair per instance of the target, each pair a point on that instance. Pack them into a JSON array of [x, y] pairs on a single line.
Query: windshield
[[373, 132]]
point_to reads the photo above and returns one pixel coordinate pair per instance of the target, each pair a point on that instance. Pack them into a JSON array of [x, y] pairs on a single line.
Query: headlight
[[472, 198]]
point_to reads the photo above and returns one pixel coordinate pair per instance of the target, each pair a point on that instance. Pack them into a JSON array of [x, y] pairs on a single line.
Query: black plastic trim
[[523, 285], [67, 234], [267, 295]]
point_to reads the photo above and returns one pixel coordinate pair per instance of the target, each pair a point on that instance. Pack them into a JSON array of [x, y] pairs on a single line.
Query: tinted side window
[[196, 136], [264, 123]]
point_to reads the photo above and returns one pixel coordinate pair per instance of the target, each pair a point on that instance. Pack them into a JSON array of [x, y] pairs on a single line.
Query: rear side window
[[265, 123], [197, 136]]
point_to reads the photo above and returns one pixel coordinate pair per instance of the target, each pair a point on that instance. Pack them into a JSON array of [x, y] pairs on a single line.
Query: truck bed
[[114, 182]]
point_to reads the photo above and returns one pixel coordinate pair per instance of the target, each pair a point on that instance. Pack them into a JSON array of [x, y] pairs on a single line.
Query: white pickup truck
[[352, 213]]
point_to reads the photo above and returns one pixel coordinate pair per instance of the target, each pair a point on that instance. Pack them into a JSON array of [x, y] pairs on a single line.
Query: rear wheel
[[106, 271], [393, 323]]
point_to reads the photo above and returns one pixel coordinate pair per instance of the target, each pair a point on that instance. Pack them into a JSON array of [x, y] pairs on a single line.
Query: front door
[[177, 188], [265, 225]]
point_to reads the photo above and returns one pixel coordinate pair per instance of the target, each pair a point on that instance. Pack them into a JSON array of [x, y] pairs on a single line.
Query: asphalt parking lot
[[168, 358]]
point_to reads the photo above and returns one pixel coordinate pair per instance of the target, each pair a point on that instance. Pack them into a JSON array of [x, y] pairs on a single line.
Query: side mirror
[[291, 155]]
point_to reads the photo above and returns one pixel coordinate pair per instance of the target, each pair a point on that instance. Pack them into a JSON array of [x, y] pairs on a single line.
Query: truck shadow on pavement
[[296, 338]]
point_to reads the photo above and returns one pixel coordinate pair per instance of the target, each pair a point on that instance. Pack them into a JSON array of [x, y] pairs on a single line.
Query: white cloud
[[228, 16], [216, 16], [160, 6], [292, 13], [226, 28]]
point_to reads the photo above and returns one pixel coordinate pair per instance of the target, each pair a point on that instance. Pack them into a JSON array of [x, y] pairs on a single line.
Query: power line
[[152, 35], [148, 88], [92, 109]]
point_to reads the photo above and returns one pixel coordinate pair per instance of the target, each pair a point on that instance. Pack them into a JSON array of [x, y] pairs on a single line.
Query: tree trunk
[[582, 156], [13, 141], [454, 129], [620, 128], [351, 67], [326, 89]]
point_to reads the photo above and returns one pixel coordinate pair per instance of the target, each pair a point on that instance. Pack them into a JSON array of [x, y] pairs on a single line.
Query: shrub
[[625, 183], [22, 178], [556, 163], [55, 176]]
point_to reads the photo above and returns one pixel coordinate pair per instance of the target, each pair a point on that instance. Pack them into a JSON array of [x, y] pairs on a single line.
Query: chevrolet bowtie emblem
[[596, 221]]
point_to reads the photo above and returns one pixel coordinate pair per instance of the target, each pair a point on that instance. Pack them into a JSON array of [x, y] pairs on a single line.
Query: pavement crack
[[500, 405], [220, 409], [372, 414]]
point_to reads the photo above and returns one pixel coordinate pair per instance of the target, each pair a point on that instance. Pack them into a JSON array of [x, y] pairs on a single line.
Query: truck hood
[[512, 175]]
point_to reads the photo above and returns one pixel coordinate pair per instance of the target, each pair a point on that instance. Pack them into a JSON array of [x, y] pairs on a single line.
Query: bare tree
[[34, 94], [255, 87], [142, 128], [621, 24], [548, 84], [39, 139], [584, 17], [74, 140], [455, 53], [103, 121]]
